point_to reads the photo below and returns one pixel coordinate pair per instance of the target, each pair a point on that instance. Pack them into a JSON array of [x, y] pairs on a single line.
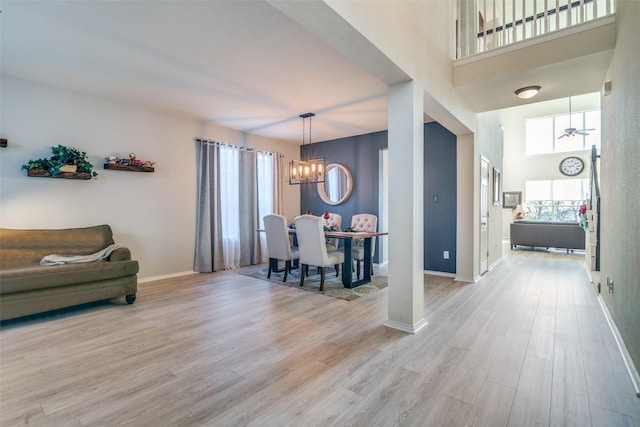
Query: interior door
[[484, 214]]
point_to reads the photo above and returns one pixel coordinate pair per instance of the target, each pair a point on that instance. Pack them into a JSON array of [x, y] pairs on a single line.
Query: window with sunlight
[[229, 210], [542, 133], [266, 194], [229, 193], [555, 200]]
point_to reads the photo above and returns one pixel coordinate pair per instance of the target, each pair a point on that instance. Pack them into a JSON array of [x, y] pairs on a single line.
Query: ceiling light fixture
[[306, 171], [528, 92]]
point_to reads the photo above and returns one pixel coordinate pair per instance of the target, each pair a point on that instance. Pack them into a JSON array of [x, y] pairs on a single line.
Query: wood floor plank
[[492, 406], [604, 418], [508, 363], [446, 411], [570, 403], [465, 383], [532, 400]]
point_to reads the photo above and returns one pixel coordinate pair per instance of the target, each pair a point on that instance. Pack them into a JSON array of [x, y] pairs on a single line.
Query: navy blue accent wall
[[439, 198], [360, 154]]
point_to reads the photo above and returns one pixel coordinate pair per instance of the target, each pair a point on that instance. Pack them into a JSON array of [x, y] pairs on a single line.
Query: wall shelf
[[39, 173], [130, 168]]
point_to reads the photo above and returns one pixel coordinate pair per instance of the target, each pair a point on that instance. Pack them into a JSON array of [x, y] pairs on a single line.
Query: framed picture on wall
[[497, 193], [511, 199]]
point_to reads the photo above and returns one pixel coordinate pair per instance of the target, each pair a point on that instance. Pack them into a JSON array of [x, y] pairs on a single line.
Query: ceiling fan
[[571, 131]]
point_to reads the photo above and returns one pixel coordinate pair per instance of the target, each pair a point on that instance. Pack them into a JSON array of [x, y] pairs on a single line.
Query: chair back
[[311, 241], [365, 222], [278, 243], [334, 220]]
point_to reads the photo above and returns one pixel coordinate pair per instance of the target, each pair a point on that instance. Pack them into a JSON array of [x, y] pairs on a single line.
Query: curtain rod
[[212, 141]]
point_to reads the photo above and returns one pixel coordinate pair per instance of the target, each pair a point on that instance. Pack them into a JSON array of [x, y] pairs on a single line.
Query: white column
[[467, 238], [406, 219]]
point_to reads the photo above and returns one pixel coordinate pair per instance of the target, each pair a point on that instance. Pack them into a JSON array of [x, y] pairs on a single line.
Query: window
[[555, 200], [230, 208], [542, 133], [266, 195]]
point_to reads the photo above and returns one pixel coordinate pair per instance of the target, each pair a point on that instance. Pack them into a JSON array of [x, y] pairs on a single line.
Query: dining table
[[348, 237]]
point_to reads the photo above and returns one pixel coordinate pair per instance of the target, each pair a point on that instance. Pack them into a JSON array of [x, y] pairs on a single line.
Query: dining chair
[[333, 220], [363, 222], [313, 248], [278, 244]]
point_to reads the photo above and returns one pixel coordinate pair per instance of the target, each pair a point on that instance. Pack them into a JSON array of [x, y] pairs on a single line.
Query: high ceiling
[[240, 64]]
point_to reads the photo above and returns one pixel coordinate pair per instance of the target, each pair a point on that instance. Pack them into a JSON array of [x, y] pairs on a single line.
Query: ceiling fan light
[[528, 92]]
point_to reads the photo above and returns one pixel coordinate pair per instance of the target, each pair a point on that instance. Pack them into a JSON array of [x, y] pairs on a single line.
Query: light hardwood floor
[[526, 345]]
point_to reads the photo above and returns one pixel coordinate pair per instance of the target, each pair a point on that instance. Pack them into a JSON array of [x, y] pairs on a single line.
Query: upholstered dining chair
[[333, 220], [279, 245], [313, 248], [363, 222]]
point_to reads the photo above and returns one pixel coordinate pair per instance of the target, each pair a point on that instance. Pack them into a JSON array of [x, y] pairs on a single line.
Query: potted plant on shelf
[[64, 163]]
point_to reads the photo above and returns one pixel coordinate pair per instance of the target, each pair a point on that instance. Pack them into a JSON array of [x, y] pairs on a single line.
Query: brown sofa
[[26, 287]]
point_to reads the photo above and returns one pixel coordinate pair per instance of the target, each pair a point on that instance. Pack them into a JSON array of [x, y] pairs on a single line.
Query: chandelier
[[306, 171]]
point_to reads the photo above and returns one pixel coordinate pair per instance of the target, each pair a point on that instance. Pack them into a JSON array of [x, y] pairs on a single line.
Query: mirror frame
[[323, 193]]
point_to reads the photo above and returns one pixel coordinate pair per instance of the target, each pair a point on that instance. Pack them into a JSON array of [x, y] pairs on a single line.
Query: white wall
[[620, 157], [151, 213], [424, 52], [467, 218], [518, 167]]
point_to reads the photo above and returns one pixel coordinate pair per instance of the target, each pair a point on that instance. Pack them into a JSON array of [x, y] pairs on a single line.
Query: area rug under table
[[332, 285]]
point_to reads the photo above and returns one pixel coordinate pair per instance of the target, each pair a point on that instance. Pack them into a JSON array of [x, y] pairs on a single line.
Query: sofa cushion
[[41, 277], [22, 248]]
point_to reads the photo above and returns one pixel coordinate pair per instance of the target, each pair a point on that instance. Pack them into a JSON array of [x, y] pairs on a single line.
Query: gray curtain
[[249, 244], [278, 179], [209, 254]]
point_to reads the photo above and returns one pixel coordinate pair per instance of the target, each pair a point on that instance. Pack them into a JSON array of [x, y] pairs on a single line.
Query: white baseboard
[[492, 266], [406, 327], [439, 273], [628, 362], [466, 279], [166, 276]]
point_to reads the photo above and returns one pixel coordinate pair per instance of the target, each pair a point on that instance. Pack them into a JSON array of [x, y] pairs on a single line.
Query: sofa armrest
[[120, 254]]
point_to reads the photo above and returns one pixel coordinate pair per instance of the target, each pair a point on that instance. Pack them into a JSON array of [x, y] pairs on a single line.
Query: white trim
[[405, 327], [589, 273], [466, 279], [628, 362], [492, 266], [166, 276], [439, 273]]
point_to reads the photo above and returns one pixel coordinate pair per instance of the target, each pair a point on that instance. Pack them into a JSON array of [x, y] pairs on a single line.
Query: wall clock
[[571, 166]]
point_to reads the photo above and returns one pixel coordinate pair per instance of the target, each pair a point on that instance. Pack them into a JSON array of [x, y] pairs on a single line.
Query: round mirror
[[337, 184]]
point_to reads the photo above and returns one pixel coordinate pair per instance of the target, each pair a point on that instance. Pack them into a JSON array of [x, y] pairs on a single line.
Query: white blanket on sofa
[[55, 259]]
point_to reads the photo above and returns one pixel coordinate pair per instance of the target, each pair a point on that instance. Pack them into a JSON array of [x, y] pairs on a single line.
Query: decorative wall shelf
[[39, 173], [130, 168]]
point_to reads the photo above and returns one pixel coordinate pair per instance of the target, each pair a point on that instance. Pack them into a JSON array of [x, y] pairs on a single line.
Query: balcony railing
[[484, 25]]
